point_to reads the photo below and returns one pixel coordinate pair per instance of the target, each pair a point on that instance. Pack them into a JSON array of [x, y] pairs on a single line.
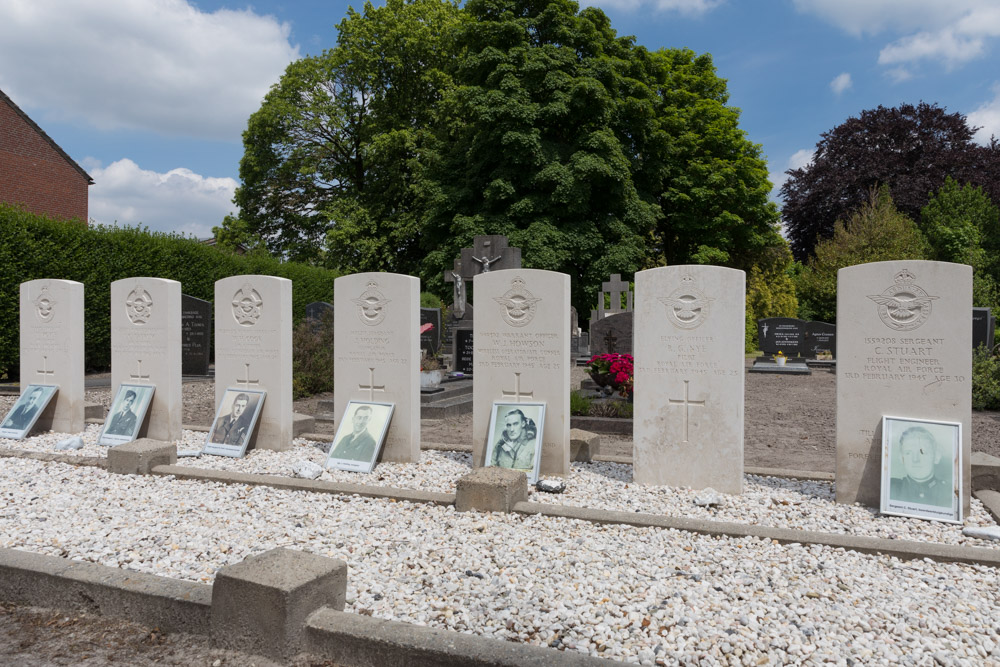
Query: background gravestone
[[317, 310], [146, 348], [819, 336], [52, 349], [614, 289], [522, 354], [613, 333], [377, 345], [253, 350], [431, 340], [574, 334], [462, 360], [781, 334], [904, 332], [689, 377], [982, 328], [196, 335], [451, 324]]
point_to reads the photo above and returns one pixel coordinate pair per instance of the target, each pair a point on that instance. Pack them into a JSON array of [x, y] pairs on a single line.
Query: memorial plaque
[[820, 336], [904, 335], [463, 356], [521, 354], [689, 377], [982, 328], [196, 335], [612, 334], [781, 334], [377, 347], [431, 340], [146, 349], [52, 349], [253, 350]]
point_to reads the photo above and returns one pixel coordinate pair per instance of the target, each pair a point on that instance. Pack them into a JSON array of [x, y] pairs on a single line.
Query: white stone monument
[[146, 348], [689, 377], [253, 349], [903, 350], [376, 340], [52, 349], [521, 354]]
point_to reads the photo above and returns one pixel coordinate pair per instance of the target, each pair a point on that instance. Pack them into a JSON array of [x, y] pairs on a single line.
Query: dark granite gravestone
[[317, 309], [196, 335], [612, 334], [431, 340], [784, 334], [463, 351], [819, 336], [982, 328], [451, 323]]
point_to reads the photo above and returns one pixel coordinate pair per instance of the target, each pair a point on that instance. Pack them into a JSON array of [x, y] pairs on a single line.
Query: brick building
[[34, 171]]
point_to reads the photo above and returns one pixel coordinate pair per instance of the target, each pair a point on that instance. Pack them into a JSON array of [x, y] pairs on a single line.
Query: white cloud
[[987, 118], [871, 17], [177, 201], [946, 45], [841, 83], [798, 159], [691, 8], [160, 65]]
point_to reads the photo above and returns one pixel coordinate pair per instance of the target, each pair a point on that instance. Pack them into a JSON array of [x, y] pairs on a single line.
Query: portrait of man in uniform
[[515, 437], [360, 436], [234, 422], [26, 410], [920, 468], [122, 422]]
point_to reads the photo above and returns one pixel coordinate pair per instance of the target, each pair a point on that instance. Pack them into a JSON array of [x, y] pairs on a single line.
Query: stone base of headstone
[[583, 445], [93, 411], [491, 489], [985, 472], [790, 367], [139, 457], [260, 605], [302, 424]]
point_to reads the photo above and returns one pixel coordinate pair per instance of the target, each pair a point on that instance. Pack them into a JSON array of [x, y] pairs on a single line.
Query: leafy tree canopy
[[911, 149]]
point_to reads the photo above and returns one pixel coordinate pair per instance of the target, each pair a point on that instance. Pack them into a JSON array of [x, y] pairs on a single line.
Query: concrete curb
[[990, 500], [362, 640], [904, 549], [91, 461], [296, 484], [48, 581]]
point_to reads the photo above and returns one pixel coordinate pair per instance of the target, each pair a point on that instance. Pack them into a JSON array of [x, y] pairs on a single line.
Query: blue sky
[[151, 96]]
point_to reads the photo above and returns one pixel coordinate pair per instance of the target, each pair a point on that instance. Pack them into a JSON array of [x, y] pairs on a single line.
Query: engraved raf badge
[[138, 305], [371, 305], [246, 305], [904, 305], [687, 306], [518, 304], [44, 305]]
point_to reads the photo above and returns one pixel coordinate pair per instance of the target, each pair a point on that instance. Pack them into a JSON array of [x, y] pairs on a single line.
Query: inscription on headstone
[[781, 334], [982, 328], [463, 351], [196, 335], [819, 337]]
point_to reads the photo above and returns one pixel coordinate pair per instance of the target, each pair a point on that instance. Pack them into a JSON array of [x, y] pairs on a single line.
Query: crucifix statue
[[458, 290], [489, 253]]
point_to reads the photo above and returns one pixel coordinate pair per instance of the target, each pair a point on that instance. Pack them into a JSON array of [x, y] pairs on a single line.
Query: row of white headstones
[[903, 350]]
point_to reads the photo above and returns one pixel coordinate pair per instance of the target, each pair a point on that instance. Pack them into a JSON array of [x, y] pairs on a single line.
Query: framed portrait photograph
[[26, 411], [515, 437], [360, 436], [127, 413], [234, 422], [921, 469]]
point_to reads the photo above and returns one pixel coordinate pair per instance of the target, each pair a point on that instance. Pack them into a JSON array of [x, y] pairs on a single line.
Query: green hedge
[[33, 246]]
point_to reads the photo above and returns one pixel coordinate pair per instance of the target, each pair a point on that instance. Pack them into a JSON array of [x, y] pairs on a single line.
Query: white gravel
[[649, 595]]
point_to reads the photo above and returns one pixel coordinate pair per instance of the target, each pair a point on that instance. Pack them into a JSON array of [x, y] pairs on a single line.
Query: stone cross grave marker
[[689, 377], [521, 341], [253, 349], [903, 350], [377, 345], [616, 288], [488, 253], [196, 335], [146, 348], [460, 300], [52, 349]]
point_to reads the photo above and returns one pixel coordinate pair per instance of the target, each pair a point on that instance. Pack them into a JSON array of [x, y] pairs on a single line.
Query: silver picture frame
[[234, 422], [27, 409], [127, 414], [922, 469], [360, 436], [514, 439]]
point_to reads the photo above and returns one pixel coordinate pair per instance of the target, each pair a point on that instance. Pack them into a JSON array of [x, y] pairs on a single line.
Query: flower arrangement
[[429, 363], [614, 370]]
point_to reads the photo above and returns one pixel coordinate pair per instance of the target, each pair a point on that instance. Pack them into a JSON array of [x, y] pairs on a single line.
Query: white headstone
[[689, 376], [376, 340], [146, 348], [52, 349], [903, 350], [253, 349], [521, 354]]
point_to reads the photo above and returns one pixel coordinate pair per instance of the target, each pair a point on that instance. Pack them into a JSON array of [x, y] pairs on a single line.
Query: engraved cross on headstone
[[138, 376], [246, 381], [616, 287], [609, 342], [517, 393], [371, 386], [688, 404], [45, 370]]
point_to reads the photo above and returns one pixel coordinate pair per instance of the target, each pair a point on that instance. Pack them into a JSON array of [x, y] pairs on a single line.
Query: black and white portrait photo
[[26, 410], [921, 469], [234, 422], [128, 411], [360, 436], [515, 437]]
